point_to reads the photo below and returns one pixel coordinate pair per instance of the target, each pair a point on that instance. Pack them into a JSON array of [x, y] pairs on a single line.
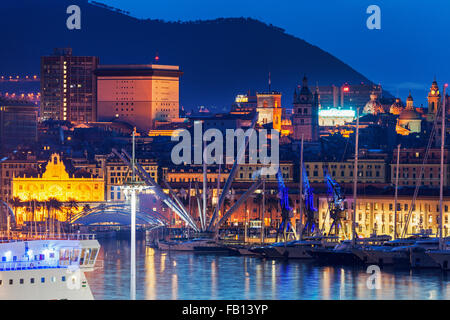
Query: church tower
[[306, 113], [434, 100]]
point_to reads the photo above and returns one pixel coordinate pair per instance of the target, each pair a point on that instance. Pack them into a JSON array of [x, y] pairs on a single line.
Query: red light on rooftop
[[446, 85], [346, 89]]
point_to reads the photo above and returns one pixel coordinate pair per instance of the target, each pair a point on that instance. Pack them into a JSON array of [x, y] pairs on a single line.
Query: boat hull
[[17, 285], [341, 257], [442, 258]]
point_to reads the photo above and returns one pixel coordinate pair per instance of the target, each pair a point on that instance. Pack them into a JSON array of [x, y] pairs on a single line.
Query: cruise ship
[[44, 267]]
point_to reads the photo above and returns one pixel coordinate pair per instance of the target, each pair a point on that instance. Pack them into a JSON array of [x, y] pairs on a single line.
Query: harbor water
[[169, 275]]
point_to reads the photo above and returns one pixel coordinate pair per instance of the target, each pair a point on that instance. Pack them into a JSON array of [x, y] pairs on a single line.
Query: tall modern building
[[68, 87], [305, 120], [141, 95], [18, 122]]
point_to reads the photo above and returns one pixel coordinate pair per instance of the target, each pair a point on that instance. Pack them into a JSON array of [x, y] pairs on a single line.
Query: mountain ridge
[[220, 57]]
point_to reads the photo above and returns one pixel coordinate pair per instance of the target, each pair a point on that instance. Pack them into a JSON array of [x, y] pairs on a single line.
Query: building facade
[[68, 87], [140, 95], [375, 214], [18, 122], [410, 168], [55, 183], [370, 171], [269, 109]]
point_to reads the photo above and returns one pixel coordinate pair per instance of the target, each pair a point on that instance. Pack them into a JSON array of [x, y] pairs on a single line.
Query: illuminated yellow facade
[[375, 214], [56, 183]]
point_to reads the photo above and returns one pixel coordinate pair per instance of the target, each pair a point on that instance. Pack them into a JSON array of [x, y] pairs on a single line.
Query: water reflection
[[163, 275]]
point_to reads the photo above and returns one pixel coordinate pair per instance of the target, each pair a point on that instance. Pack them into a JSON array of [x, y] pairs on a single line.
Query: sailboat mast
[[355, 178], [396, 192], [300, 200], [204, 187], [441, 186]]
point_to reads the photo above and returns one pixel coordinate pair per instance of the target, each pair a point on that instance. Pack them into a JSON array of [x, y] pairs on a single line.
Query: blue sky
[[411, 48]]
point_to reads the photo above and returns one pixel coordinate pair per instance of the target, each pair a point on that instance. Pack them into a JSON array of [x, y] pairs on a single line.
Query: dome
[[373, 106], [408, 114], [397, 107]]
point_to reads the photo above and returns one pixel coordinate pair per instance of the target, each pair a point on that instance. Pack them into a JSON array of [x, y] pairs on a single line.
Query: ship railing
[[15, 236], [27, 265]]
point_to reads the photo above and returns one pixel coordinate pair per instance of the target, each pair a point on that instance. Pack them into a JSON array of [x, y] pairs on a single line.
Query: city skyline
[[340, 29]]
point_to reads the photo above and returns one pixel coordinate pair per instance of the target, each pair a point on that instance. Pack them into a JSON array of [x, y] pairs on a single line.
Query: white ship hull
[[53, 287]]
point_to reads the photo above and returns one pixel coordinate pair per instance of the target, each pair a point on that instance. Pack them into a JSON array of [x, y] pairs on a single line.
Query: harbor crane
[[309, 210], [285, 227], [335, 205]]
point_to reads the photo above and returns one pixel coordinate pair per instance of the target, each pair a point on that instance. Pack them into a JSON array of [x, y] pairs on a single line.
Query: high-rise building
[[141, 95], [18, 122], [305, 119], [68, 87]]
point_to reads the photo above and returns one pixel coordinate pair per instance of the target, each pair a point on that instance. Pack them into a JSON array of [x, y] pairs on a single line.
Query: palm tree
[[71, 205], [16, 203], [53, 205], [33, 205]]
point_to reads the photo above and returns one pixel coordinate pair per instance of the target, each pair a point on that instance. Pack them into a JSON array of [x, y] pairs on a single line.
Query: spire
[[305, 81], [270, 83]]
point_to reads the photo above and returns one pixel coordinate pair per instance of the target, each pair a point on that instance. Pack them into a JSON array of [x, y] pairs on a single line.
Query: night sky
[[410, 49]]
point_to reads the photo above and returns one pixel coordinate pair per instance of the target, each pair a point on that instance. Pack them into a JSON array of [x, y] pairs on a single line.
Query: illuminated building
[[409, 118], [305, 119], [68, 87], [56, 183], [347, 95], [244, 103], [434, 101], [373, 106], [116, 174], [370, 171], [18, 122], [331, 117], [396, 108], [194, 173], [13, 167], [269, 109], [410, 166], [140, 95], [375, 213]]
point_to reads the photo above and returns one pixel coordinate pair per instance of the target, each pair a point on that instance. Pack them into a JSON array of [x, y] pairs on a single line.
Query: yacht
[[300, 249], [348, 251], [420, 253], [197, 245], [45, 267], [390, 252], [441, 257]]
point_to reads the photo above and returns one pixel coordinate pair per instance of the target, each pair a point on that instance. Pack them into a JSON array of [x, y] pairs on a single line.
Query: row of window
[[32, 280]]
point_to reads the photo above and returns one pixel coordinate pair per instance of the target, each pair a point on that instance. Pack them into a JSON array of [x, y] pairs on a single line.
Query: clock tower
[[434, 100], [306, 113]]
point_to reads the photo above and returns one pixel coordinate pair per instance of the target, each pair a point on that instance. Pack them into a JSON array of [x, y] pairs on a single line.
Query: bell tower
[[434, 100], [306, 113]]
